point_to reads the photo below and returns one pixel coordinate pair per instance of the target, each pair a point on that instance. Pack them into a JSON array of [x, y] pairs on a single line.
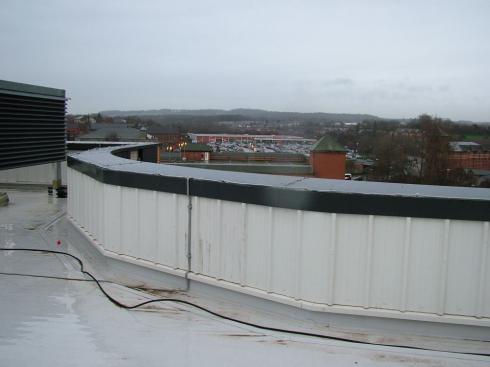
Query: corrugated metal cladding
[[32, 125]]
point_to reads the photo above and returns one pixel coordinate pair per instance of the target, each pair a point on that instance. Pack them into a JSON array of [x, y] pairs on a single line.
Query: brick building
[[194, 152], [470, 160], [168, 135], [327, 158], [469, 155]]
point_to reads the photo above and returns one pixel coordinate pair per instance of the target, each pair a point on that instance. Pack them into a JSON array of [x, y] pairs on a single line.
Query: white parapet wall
[[41, 174], [402, 267]]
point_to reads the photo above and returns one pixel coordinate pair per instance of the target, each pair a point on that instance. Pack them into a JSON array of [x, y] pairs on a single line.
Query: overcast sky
[[390, 58]]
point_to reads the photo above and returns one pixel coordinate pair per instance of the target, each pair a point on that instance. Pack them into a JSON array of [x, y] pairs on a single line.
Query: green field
[[475, 137]]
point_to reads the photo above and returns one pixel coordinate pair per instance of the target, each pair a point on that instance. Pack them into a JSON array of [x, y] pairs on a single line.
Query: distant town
[[423, 150]]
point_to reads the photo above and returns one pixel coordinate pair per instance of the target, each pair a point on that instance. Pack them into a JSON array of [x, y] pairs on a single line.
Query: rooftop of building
[[164, 129], [53, 315], [327, 144], [197, 147], [464, 146], [117, 131], [29, 89]]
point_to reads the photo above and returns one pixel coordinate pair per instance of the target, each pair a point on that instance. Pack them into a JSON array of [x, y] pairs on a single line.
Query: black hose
[[269, 328]]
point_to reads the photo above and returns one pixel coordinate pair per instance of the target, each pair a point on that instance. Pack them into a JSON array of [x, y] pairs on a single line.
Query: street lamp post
[[169, 150], [182, 146]]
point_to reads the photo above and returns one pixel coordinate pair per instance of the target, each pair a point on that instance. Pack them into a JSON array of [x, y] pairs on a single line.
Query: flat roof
[[252, 136], [55, 322], [30, 89]]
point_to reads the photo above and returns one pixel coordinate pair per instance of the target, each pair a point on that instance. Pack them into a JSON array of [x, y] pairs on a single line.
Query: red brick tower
[[327, 157]]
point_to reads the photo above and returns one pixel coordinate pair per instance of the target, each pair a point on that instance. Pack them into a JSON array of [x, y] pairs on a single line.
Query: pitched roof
[[123, 133], [197, 147], [327, 144], [464, 146], [163, 129]]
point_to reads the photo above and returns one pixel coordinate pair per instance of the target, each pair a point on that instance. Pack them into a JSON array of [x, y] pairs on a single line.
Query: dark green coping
[[30, 90], [290, 198]]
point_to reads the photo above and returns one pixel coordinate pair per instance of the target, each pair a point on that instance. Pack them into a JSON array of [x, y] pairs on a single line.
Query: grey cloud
[[443, 88], [344, 82], [124, 54]]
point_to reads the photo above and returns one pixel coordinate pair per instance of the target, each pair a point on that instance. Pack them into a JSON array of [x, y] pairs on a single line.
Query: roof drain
[[189, 238]]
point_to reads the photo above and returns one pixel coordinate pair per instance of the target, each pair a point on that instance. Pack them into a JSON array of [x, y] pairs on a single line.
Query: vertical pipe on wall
[[78, 209], [243, 247], [405, 270], [158, 250], [444, 266], [122, 250], [198, 250], [189, 228], [102, 193], [270, 273], [139, 213], [219, 271], [368, 264], [299, 253], [332, 259], [176, 231]]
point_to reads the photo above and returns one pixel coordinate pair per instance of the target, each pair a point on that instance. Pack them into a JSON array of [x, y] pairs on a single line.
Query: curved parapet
[[361, 248]]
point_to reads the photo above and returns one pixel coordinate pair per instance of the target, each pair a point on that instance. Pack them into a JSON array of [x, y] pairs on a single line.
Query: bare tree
[[435, 151]]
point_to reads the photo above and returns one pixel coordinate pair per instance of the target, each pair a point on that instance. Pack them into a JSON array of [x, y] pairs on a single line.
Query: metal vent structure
[[32, 125]]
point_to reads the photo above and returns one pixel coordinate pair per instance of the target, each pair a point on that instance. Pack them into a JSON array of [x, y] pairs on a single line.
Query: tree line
[[415, 152]]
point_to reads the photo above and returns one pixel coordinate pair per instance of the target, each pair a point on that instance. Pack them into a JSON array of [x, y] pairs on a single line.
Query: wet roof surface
[[51, 322], [102, 157]]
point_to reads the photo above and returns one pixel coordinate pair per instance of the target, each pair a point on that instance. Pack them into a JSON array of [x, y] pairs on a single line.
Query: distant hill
[[254, 114]]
